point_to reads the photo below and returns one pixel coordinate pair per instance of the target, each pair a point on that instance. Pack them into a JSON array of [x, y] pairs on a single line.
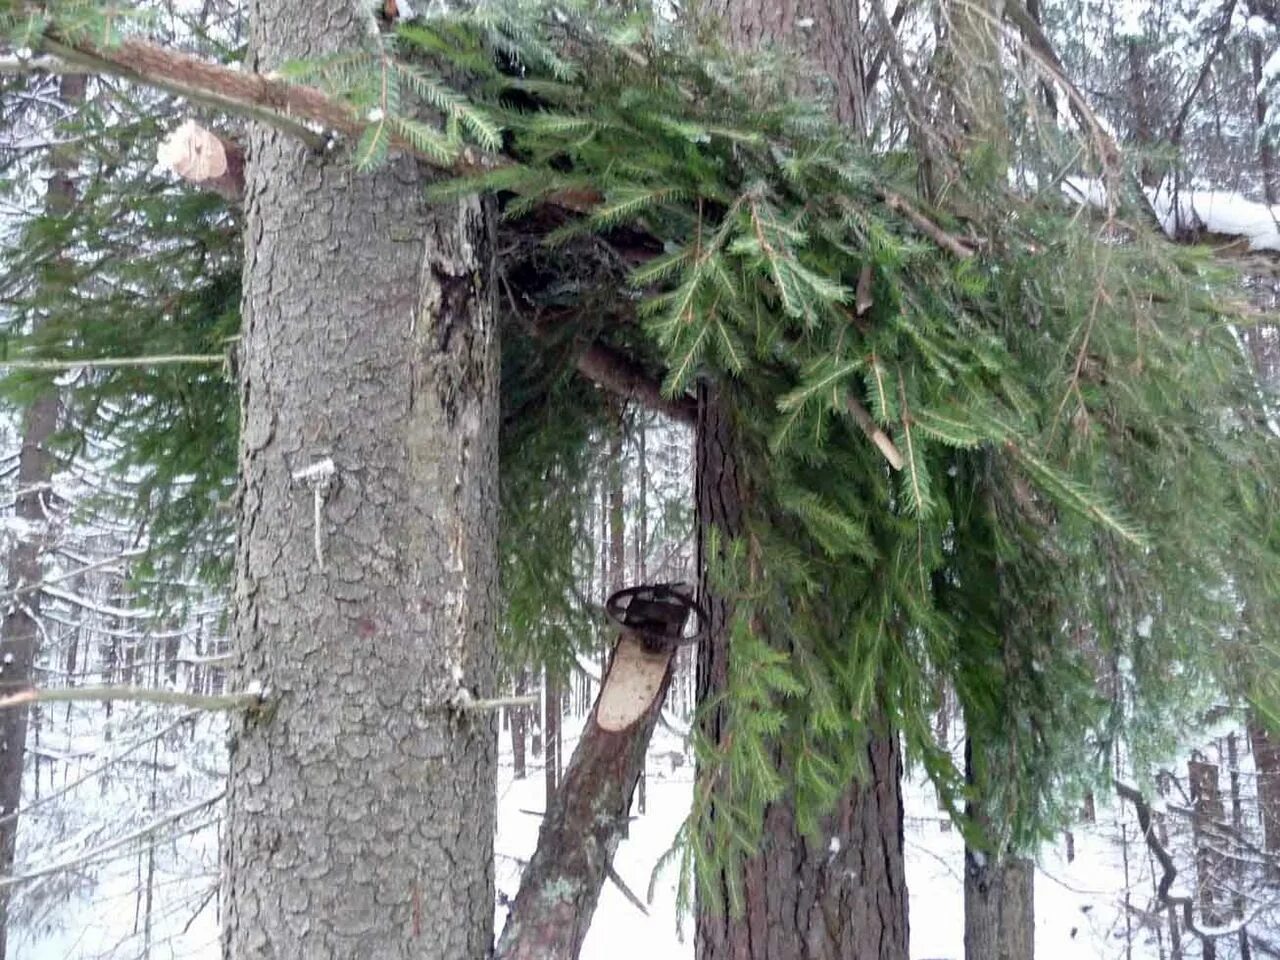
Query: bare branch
[[55, 366], [619, 374], [492, 703], [1220, 41], [1170, 871], [947, 241], [90, 856], [877, 436], [29, 808], [249, 700], [53, 66], [49, 581]]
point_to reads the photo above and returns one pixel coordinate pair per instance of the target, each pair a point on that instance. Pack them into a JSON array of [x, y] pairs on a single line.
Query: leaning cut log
[[552, 911]]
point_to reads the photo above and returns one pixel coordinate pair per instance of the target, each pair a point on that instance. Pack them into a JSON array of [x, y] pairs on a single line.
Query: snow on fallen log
[[1221, 212]]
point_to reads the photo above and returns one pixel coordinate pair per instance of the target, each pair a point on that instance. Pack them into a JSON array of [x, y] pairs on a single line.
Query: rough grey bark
[[804, 901], [360, 808], [19, 632]]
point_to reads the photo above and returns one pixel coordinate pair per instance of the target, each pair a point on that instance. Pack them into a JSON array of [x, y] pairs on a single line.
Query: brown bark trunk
[[519, 723], [360, 807], [841, 898], [1140, 109], [1206, 799], [1266, 145], [999, 908], [826, 33], [1239, 878], [1266, 761], [848, 898], [583, 826], [20, 630], [975, 43], [551, 707], [999, 888]]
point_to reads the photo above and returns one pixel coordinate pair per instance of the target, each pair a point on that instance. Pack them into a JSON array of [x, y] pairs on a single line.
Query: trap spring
[[657, 613]]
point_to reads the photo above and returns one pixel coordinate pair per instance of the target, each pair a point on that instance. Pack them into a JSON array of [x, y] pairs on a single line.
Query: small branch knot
[[322, 478]]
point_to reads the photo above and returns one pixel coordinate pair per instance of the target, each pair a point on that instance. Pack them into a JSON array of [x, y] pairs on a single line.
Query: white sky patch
[[1129, 18]]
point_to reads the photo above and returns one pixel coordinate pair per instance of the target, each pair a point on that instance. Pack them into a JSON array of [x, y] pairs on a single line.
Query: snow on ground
[[1080, 909], [619, 931], [1080, 905], [1215, 211]]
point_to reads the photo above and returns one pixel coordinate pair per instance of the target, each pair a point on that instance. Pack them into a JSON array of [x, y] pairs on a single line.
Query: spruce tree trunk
[[1266, 760], [827, 33], [846, 896], [519, 725], [552, 706], [360, 809], [999, 908], [25, 563], [999, 888], [1211, 864]]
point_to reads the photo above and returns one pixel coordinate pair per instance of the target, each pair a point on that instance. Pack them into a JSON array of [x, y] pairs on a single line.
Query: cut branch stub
[[631, 685], [204, 159]]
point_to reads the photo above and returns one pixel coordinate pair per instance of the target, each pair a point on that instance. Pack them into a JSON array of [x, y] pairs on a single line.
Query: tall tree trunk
[[846, 896], [1239, 877], [20, 630], [999, 909], [551, 707], [999, 892], [519, 726], [999, 886], [360, 808], [1266, 140], [1211, 867], [587, 819], [827, 33], [1266, 761]]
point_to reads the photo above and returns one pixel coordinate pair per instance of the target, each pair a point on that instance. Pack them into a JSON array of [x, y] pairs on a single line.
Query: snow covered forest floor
[[1096, 904], [1091, 905]]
